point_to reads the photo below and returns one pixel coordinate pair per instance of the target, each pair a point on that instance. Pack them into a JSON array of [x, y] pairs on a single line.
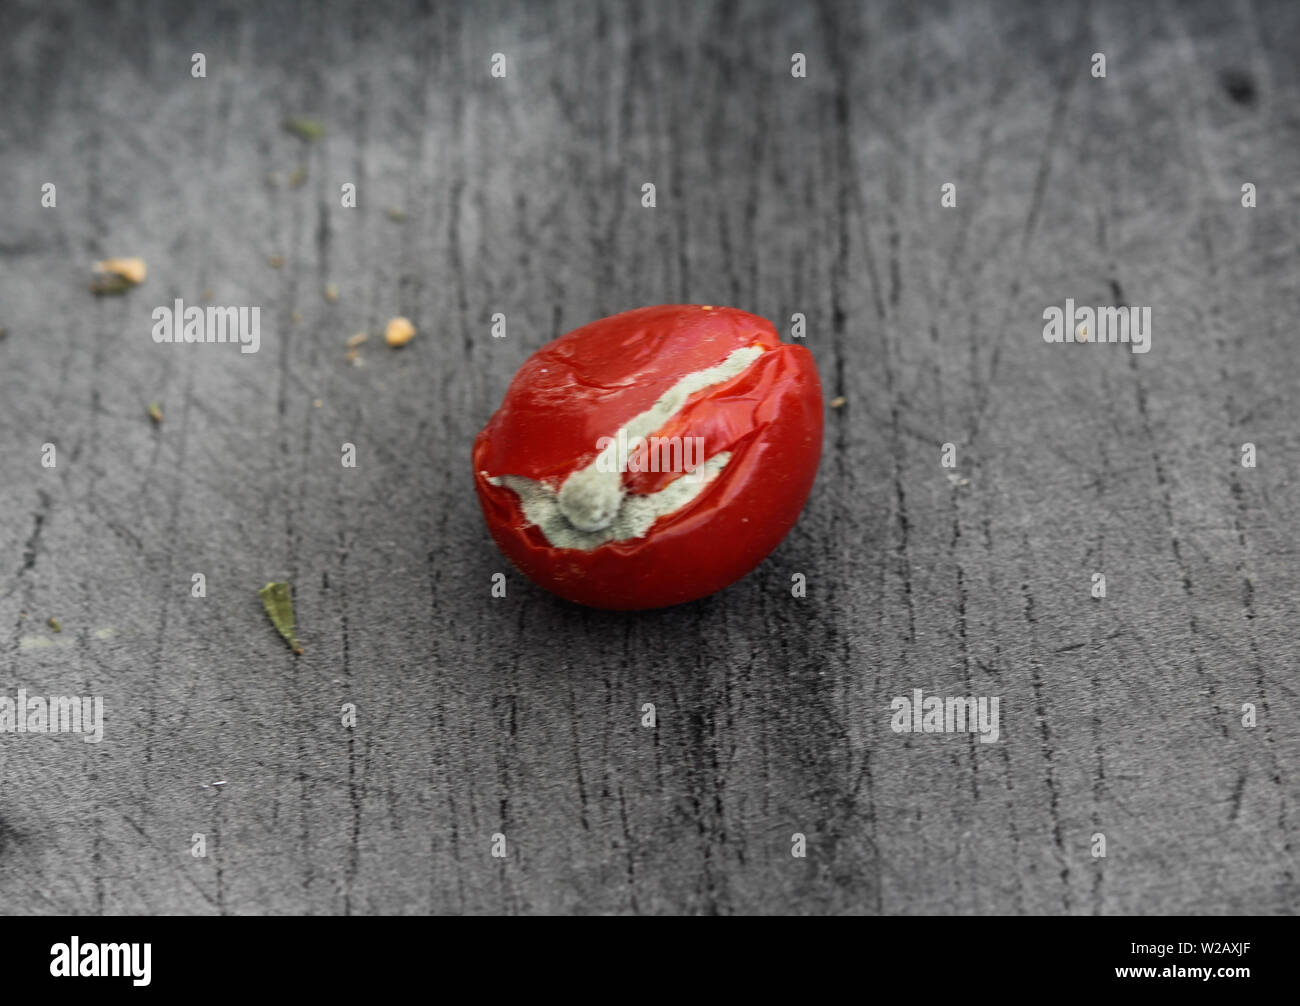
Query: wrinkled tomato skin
[[589, 382]]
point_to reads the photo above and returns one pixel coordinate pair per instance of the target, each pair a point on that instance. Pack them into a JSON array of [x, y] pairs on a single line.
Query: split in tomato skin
[[765, 420]]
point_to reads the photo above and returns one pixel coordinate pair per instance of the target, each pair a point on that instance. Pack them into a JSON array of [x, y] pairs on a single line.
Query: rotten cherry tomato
[[652, 457]]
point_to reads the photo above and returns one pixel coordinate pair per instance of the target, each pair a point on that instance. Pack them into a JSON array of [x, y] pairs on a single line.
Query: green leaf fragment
[[110, 285], [155, 412], [305, 129], [55, 624], [277, 599]]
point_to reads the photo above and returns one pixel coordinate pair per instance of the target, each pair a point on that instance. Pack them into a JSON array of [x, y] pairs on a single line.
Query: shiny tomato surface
[[765, 420]]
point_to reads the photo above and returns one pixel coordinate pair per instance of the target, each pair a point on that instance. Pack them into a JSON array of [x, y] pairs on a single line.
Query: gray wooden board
[[521, 715]]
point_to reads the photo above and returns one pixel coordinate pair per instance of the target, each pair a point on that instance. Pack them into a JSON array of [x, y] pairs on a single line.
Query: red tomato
[[572, 511]]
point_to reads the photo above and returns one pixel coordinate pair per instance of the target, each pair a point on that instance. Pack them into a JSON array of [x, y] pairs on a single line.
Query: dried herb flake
[[109, 285], [310, 130], [277, 599]]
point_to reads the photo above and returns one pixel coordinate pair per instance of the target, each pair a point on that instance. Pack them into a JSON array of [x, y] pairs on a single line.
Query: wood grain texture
[[522, 715]]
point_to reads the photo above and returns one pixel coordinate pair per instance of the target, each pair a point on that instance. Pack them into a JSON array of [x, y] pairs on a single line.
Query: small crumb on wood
[[55, 624], [838, 402], [353, 353], [399, 332], [133, 270], [155, 412], [117, 275]]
